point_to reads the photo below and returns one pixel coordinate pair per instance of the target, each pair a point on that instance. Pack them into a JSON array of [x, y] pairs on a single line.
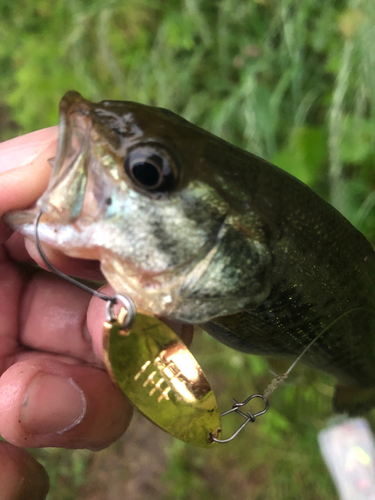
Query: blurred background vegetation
[[290, 80]]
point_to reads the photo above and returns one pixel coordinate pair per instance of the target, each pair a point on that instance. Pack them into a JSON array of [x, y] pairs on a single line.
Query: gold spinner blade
[[158, 373]]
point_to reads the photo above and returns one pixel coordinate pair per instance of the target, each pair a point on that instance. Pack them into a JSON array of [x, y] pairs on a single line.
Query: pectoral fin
[[353, 400]]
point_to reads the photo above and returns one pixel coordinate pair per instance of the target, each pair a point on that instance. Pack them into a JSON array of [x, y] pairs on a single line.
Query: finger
[[24, 174], [42, 312], [26, 149], [57, 317], [25, 170], [21, 476], [46, 400], [52, 317], [15, 246], [5, 232], [10, 296]]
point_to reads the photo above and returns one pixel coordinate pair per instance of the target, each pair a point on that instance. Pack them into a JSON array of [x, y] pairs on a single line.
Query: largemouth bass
[[200, 231]]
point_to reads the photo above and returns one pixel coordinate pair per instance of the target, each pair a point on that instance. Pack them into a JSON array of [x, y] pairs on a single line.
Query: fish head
[[154, 199]]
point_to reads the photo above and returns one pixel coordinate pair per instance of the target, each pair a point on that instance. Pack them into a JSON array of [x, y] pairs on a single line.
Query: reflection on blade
[[157, 372]]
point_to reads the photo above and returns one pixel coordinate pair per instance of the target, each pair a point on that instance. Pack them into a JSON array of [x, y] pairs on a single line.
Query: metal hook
[[59, 273], [249, 417], [111, 301]]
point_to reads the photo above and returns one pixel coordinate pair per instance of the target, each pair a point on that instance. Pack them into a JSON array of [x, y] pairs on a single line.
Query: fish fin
[[353, 400]]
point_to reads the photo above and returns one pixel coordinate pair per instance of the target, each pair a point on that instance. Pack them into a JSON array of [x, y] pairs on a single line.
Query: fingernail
[[52, 404]]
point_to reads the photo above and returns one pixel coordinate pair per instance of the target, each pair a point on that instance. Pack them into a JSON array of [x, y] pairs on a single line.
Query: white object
[[348, 449]]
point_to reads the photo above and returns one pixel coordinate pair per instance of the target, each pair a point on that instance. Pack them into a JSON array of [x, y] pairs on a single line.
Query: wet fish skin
[[173, 252], [234, 244]]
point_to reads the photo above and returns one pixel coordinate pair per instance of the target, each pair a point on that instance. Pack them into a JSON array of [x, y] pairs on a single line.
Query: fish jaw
[[175, 254], [22, 221], [63, 199]]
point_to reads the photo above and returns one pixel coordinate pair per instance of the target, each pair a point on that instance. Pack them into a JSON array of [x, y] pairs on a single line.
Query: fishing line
[[277, 381]]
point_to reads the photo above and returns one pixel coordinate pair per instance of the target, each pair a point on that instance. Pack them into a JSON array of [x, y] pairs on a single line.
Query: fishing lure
[[153, 367]]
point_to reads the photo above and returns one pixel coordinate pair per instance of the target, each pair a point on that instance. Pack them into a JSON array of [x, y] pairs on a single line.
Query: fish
[[196, 230]]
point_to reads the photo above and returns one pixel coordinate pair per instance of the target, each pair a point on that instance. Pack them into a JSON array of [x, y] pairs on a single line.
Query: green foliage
[[295, 84], [66, 471], [291, 81], [304, 154]]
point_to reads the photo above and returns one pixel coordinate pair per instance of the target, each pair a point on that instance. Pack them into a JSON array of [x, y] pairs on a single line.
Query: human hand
[[54, 389]]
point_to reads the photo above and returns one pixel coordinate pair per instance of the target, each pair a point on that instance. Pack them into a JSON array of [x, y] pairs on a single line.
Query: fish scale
[[250, 253]]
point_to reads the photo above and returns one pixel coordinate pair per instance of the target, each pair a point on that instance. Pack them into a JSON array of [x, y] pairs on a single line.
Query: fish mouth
[[63, 199], [68, 180], [74, 127], [74, 207]]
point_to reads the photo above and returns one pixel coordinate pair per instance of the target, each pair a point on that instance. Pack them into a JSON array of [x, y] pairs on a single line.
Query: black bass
[[197, 230]]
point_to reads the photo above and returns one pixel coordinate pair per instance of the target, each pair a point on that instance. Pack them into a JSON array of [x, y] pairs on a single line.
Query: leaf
[[304, 154], [358, 138]]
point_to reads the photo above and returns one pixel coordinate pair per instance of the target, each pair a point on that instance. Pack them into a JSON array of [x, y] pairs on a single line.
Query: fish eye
[[151, 167]]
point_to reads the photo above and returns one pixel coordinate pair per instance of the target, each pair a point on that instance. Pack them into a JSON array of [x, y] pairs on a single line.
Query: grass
[[294, 84]]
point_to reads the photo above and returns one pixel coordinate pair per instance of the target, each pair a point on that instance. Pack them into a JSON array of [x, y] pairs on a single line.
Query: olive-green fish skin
[[323, 270], [231, 242]]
